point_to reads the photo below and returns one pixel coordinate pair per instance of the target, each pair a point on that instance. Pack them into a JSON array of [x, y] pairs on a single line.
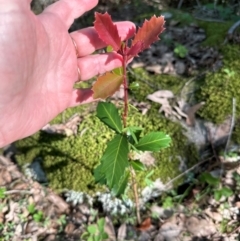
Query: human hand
[[39, 66]]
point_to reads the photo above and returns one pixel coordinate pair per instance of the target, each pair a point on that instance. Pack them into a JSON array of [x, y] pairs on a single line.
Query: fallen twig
[[231, 31], [18, 191], [185, 172]]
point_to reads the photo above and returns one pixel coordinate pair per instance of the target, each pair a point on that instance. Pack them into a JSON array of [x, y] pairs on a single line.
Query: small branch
[[231, 127], [135, 192], [185, 172], [231, 31], [180, 4], [17, 191]]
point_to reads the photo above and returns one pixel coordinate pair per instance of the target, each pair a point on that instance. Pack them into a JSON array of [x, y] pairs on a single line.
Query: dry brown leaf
[[191, 111], [200, 227], [69, 128], [145, 225], [122, 232], [58, 202], [109, 229]]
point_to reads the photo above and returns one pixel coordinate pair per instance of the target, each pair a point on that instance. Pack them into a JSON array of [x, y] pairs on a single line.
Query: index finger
[[87, 39]]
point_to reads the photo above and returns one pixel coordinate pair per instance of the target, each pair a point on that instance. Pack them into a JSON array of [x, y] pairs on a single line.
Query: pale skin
[[39, 66]]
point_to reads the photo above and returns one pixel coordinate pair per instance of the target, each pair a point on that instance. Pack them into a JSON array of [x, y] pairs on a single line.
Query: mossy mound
[[150, 83], [69, 161], [218, 89], [216, 32]]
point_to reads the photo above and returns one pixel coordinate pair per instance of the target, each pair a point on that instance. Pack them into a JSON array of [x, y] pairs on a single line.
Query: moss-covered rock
[[69, 161], [218, 89], [216, 32]]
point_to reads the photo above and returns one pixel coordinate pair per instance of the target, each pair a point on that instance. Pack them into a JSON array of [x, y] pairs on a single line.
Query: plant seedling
[[95, 232], [115, 167], [181, 51], [37, 215]]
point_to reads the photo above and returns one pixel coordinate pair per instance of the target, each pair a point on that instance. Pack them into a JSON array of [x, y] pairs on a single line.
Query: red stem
[[125, 85]]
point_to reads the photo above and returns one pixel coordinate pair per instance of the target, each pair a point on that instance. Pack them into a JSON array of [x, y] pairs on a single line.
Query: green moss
[[69, 161], [218, 89], [150, 83], [215, 32], [184, 18]]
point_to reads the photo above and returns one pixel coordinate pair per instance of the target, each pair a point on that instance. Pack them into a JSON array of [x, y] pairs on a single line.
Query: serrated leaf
[[119, 189], [108, 114], [153, 141], [138, 166], [107, 30], [115, 160], [106, 85], [149, 32], [135, 49]]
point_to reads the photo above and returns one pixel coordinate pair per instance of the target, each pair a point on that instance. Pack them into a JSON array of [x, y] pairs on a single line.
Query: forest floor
[[204, 208]]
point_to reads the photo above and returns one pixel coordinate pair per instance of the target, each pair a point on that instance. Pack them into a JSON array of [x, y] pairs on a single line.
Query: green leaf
[[209, 179], [115, 160], [138, 166], [109, 49], [134, 86], [101, 223], [223, 192], [108, 114], [153, 141], [133, 132], [118, 71], [99, 175], [31, 208], [120, 188], [104, 236], [84, 235], [2, 192], [217, 195], [92, 229]]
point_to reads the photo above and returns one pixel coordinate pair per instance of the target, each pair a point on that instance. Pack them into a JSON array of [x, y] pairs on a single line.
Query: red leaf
[[145, 225], [135, 49], [149, 32], [107, 31], [106, 85]]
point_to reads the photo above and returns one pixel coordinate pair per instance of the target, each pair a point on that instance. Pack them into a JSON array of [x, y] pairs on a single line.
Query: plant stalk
[[124, 117], [125, 86]]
